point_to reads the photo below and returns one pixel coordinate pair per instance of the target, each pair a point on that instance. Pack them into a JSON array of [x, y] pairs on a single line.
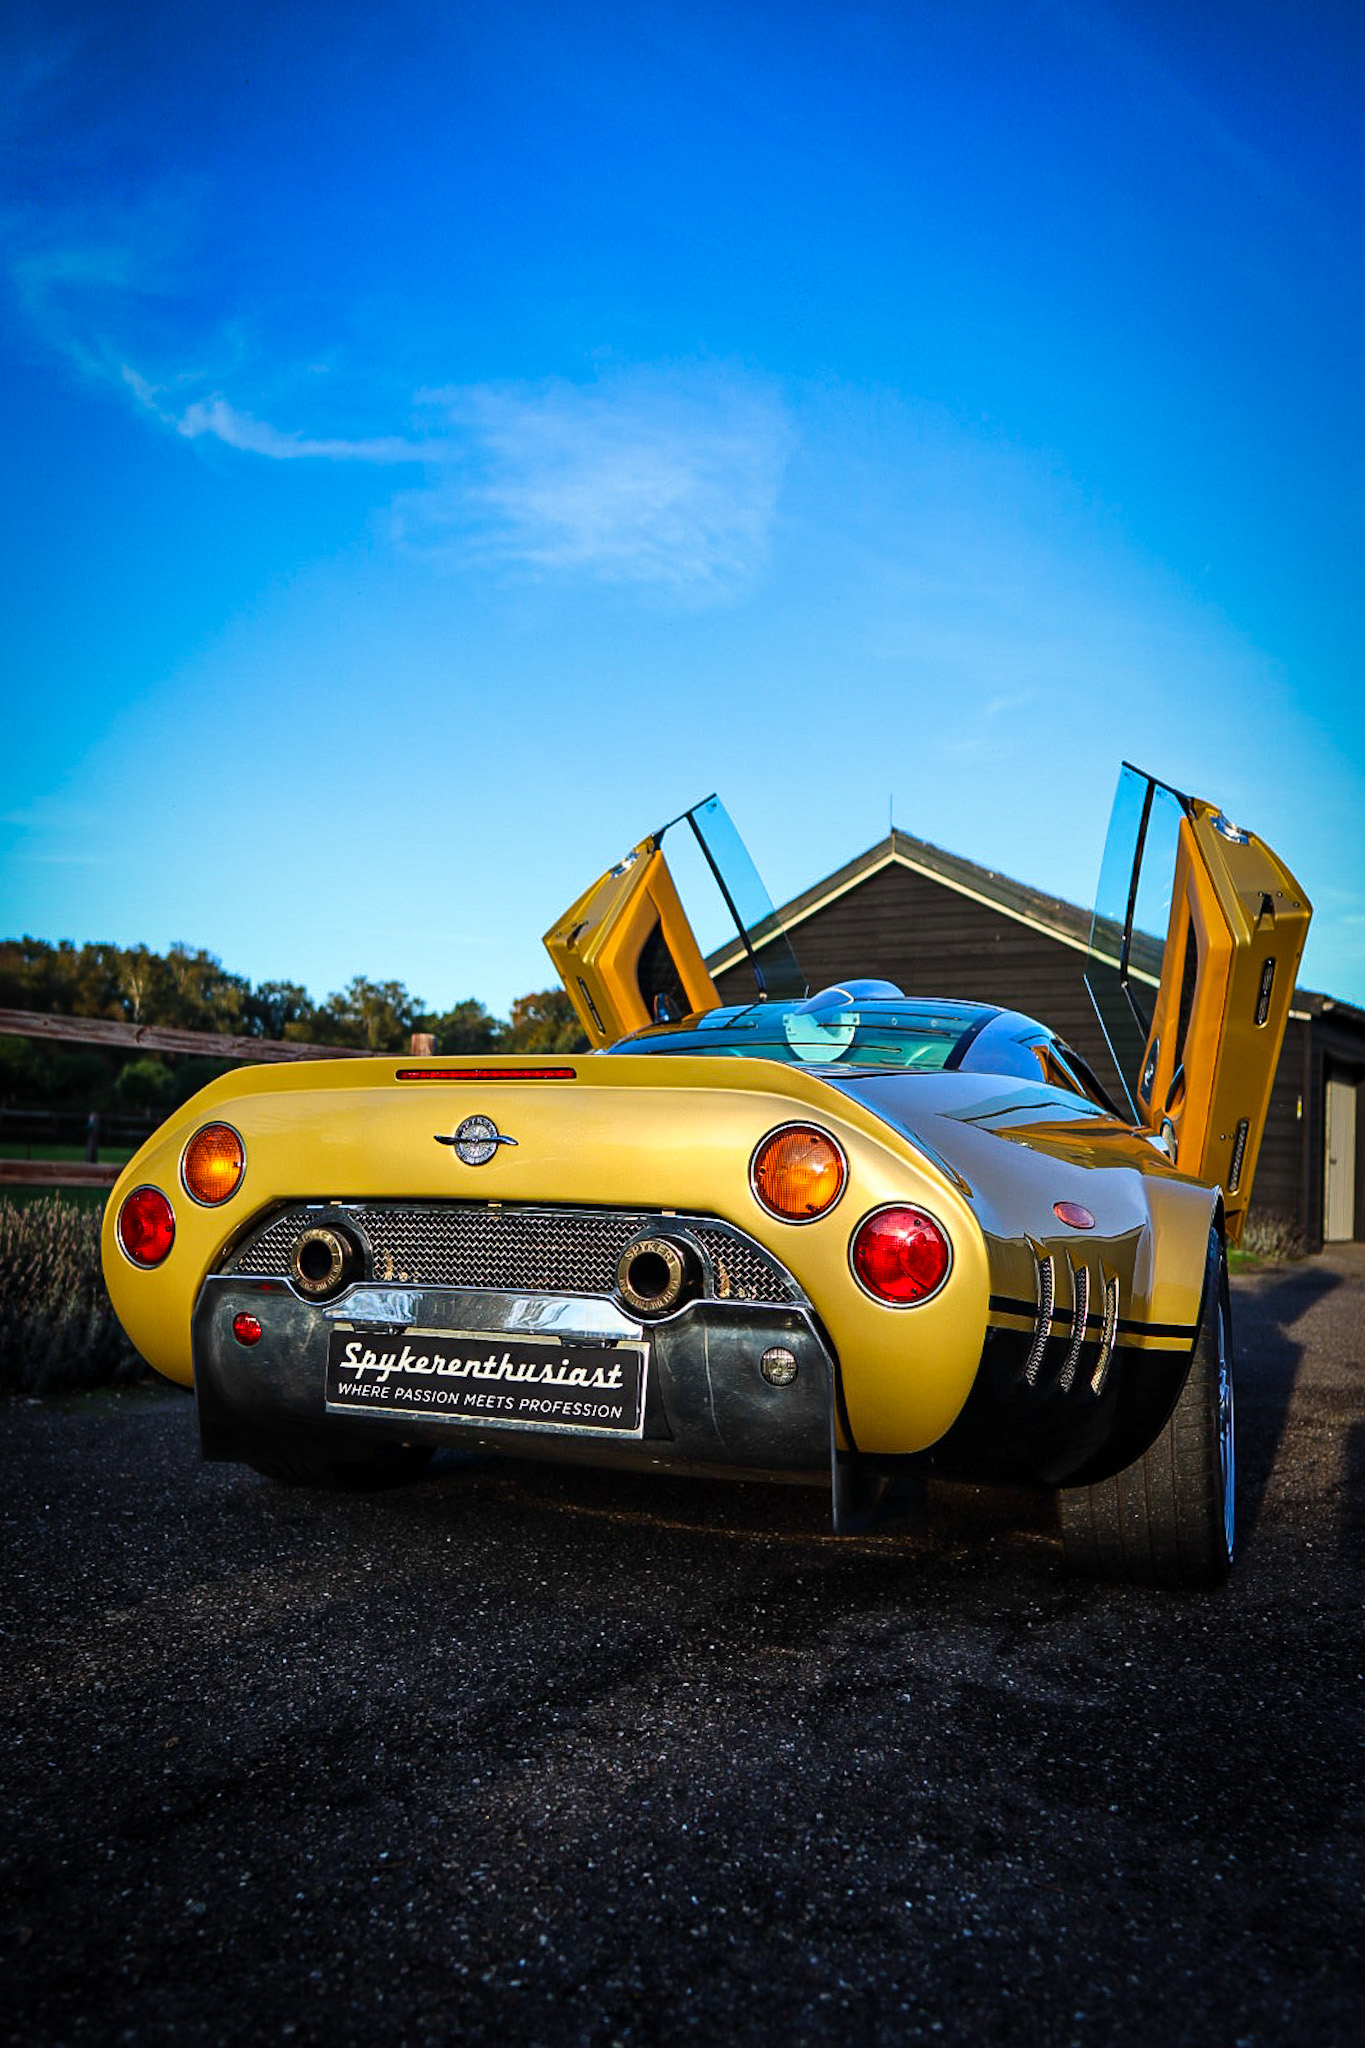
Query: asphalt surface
[[517, 1755]]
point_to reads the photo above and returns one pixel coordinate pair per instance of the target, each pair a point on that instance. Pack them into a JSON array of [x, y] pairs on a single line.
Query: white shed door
[[1339, 1206]]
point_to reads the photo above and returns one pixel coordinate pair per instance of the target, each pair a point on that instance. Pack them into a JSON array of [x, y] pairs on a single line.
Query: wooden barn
[[936, 924]]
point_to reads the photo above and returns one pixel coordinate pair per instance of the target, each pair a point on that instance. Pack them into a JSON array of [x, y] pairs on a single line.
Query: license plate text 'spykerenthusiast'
[[518, 1382]]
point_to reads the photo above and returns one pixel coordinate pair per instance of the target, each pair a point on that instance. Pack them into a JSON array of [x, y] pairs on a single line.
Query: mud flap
[[866, 1497]]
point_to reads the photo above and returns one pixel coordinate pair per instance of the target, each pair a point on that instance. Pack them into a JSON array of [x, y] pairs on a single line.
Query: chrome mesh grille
[[1043, 1330], [742, 1271], [1080, 1313], [1107, 1336], [515, 1250]]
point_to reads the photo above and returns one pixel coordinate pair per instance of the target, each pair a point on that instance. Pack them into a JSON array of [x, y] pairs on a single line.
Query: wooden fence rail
[[80, 1173], [56, 1173], [164, 1038]]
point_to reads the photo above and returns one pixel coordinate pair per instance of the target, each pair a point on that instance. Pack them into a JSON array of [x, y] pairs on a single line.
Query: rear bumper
[[707, 1405]]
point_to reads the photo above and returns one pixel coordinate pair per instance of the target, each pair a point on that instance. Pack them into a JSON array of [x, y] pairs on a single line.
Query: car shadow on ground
[[930, 1529], [949, 1520], [1267, 1309]]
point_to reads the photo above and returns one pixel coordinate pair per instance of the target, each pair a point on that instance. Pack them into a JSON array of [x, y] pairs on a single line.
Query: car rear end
[[706, 1263]]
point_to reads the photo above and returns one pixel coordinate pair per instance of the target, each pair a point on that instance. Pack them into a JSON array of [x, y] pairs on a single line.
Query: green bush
[[145, 1084], [58, 1330]]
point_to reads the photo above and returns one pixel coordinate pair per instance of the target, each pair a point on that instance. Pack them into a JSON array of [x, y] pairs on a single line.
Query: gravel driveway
[[524, 1756]]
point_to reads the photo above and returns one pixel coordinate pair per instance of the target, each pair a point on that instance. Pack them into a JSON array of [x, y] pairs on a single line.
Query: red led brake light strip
[[486, 1074]]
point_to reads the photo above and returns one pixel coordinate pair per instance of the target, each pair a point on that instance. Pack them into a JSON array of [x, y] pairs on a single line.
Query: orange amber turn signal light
[[214, 1162], [798, 1173]]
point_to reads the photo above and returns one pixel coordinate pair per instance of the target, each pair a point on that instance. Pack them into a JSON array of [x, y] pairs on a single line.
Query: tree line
[[190, 989]]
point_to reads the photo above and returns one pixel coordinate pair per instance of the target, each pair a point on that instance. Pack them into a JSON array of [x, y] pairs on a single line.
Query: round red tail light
[[901, 1256], [146, 1226]]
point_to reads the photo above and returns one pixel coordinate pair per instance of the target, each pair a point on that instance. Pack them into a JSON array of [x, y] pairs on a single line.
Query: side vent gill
[[1080, 1311], [1239, 1151], [1046, 1296], [1263, 993], [1107, 1336]]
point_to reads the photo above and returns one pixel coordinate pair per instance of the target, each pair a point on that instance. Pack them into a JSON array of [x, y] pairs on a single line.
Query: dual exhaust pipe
[[654, 1275]]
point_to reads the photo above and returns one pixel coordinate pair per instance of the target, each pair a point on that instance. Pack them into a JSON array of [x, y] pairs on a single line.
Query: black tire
[[386, 1465], [1168, 1519]]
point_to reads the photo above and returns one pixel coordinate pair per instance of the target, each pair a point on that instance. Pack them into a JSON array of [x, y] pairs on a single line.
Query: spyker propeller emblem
[[475, 1140]]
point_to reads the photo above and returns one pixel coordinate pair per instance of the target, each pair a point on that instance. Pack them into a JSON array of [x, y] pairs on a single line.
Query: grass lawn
[[110, 1155]]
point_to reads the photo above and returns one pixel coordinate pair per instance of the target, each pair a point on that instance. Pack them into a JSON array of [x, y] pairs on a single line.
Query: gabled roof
[[1331, 1007], [1041, 912], [1052, 915]]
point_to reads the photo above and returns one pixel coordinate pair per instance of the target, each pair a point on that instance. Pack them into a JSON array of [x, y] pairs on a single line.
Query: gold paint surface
[[678, 1133]]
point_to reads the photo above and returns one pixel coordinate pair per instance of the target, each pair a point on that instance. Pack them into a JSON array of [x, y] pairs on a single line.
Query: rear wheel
[[386, 1465], [1168, 1518]]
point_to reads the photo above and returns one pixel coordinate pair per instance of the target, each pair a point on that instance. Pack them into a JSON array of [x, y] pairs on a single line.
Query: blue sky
[[440, 444]]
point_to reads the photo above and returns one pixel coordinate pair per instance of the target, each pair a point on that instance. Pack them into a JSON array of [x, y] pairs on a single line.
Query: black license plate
[[497, 1381]]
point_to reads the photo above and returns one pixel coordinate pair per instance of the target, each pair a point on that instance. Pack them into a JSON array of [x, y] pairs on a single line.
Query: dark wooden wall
[[1281, 1185], [932, 941]]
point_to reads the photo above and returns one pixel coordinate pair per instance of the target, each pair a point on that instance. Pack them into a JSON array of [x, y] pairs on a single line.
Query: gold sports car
[[855, 1235]]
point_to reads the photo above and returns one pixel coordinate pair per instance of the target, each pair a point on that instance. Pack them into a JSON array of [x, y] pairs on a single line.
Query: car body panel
[[636, 1133], [625, 942], [1053, 1348], [1198, 1052], [626, 952], [988, 1159]]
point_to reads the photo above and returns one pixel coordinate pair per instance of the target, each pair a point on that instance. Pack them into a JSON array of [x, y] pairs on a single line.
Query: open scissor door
[[626, 951], [1196, 939]]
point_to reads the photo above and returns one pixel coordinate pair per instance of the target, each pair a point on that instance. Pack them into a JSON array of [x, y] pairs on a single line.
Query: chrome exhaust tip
[[655, 1274], [321, 1262]]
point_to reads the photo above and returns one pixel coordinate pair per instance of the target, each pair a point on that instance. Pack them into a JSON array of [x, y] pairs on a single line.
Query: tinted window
[[1132, 916], [922, 1038], [657, 975]]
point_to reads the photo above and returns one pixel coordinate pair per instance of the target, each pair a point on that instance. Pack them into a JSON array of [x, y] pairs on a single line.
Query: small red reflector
[[901, 1256], [486, 1074], [1074, 1214], [146, 1226], [246, 1329]]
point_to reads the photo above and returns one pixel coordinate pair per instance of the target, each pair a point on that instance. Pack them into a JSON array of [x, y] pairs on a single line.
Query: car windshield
[[924, 1037]]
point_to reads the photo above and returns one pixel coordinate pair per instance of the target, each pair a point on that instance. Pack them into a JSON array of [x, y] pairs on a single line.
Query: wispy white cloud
[[662, 476], [223, 422], [666, 476], [998, 707], [658, 476], [64, 288]]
